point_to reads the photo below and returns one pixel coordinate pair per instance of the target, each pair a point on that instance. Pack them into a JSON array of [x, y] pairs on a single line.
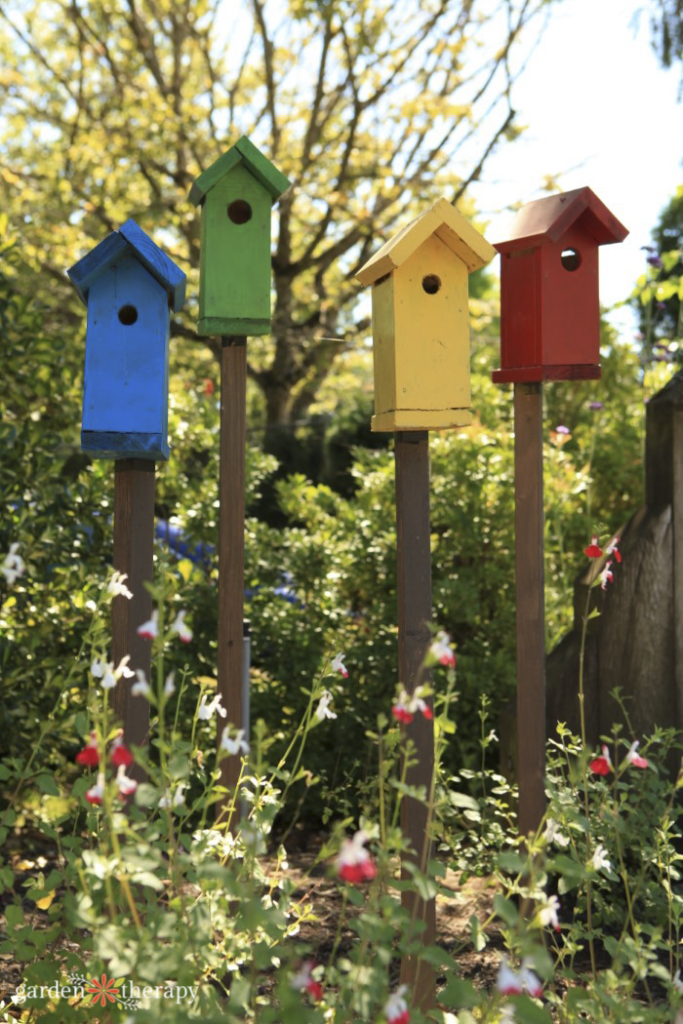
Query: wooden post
[[134, 556], [530, 604], [231, 551], [414, 592]]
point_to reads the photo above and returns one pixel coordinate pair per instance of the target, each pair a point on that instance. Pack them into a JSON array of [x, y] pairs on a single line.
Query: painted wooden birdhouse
[[236, 193], [550, 311], [420, 321], [129, 287]]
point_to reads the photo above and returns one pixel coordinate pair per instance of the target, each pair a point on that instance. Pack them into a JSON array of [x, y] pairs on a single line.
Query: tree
[[666, 22], [112, 107]]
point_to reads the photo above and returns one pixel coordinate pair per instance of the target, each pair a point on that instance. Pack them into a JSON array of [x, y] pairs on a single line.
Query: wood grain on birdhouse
[[550, 308], [420, 321], [236, 193]]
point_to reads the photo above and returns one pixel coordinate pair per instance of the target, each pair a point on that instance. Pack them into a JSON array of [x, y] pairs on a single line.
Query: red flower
[[354, 863], [363, 872], [635, 759], [208, 387], [612, 549], [402, 714], [120, 754], [601, 765], [304, 979], [90, 755], [593, 550]]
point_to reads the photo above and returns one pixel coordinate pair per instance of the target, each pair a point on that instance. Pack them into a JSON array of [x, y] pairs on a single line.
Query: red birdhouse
[[550, 313]]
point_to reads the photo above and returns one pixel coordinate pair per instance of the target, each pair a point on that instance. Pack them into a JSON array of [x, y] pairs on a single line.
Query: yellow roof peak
[[440, 219]]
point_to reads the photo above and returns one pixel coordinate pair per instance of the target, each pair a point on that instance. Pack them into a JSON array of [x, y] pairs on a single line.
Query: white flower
[[95, 794], [508, 981], [150, 629], [338, 665], [124, 782], [109, 675], [599, 860], [552, 833], [13, 565], [508, 1014], [117, 587], [323, 709], [205, 711], [441, 649], [181, 629], [677, 983], [169, 685], [233, 746], [396, 1007], [530, 980], [548, 913], [178, 797], [142, 687]]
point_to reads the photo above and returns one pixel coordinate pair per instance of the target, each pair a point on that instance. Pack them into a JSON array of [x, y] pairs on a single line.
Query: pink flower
[[441, 649], [406, 707], [181, 629], [602, 764], [90, 755], [354, 863], [612, 549], [150, 629], [120, 754], [634, 758], [338, 665], [593, 550], [396, 1009], [94, 795], [606, 576], [304, 980]]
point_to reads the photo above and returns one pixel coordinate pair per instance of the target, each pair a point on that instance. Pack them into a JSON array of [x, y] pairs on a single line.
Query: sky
[[600, 112]]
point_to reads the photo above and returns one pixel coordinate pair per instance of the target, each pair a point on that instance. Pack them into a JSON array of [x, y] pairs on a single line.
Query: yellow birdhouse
[[420, 321]]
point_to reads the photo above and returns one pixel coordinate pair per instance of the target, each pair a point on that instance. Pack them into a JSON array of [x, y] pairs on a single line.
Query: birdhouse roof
[[544, 221], [129, 237], [443, 220], [243, 152]]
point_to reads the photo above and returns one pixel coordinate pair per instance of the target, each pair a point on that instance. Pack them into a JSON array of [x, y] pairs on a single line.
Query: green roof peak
[[255, 162]]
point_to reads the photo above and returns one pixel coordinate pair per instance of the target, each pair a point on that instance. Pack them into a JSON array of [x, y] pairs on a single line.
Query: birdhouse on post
[[550, 312], [236, 193], [128, 285], [420, 321]]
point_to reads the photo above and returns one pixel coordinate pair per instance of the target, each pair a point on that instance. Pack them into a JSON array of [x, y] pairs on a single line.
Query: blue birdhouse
[[129, 287]]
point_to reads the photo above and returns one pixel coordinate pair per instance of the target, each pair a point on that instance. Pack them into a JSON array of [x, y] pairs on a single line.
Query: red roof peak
[[544, 221]]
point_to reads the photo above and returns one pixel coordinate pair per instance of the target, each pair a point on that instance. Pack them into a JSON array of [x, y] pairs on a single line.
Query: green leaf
[[477, 933], [14, 915], [505, 909], [47, 784], [459, 994], [529, 1012]]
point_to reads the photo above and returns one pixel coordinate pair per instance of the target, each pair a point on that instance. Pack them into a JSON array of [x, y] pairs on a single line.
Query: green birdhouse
[[236, 193]]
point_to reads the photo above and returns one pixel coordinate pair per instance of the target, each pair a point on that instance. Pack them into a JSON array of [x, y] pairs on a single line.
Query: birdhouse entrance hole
[[571, 260], [239, 211], [128, 315], [431, 284]]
